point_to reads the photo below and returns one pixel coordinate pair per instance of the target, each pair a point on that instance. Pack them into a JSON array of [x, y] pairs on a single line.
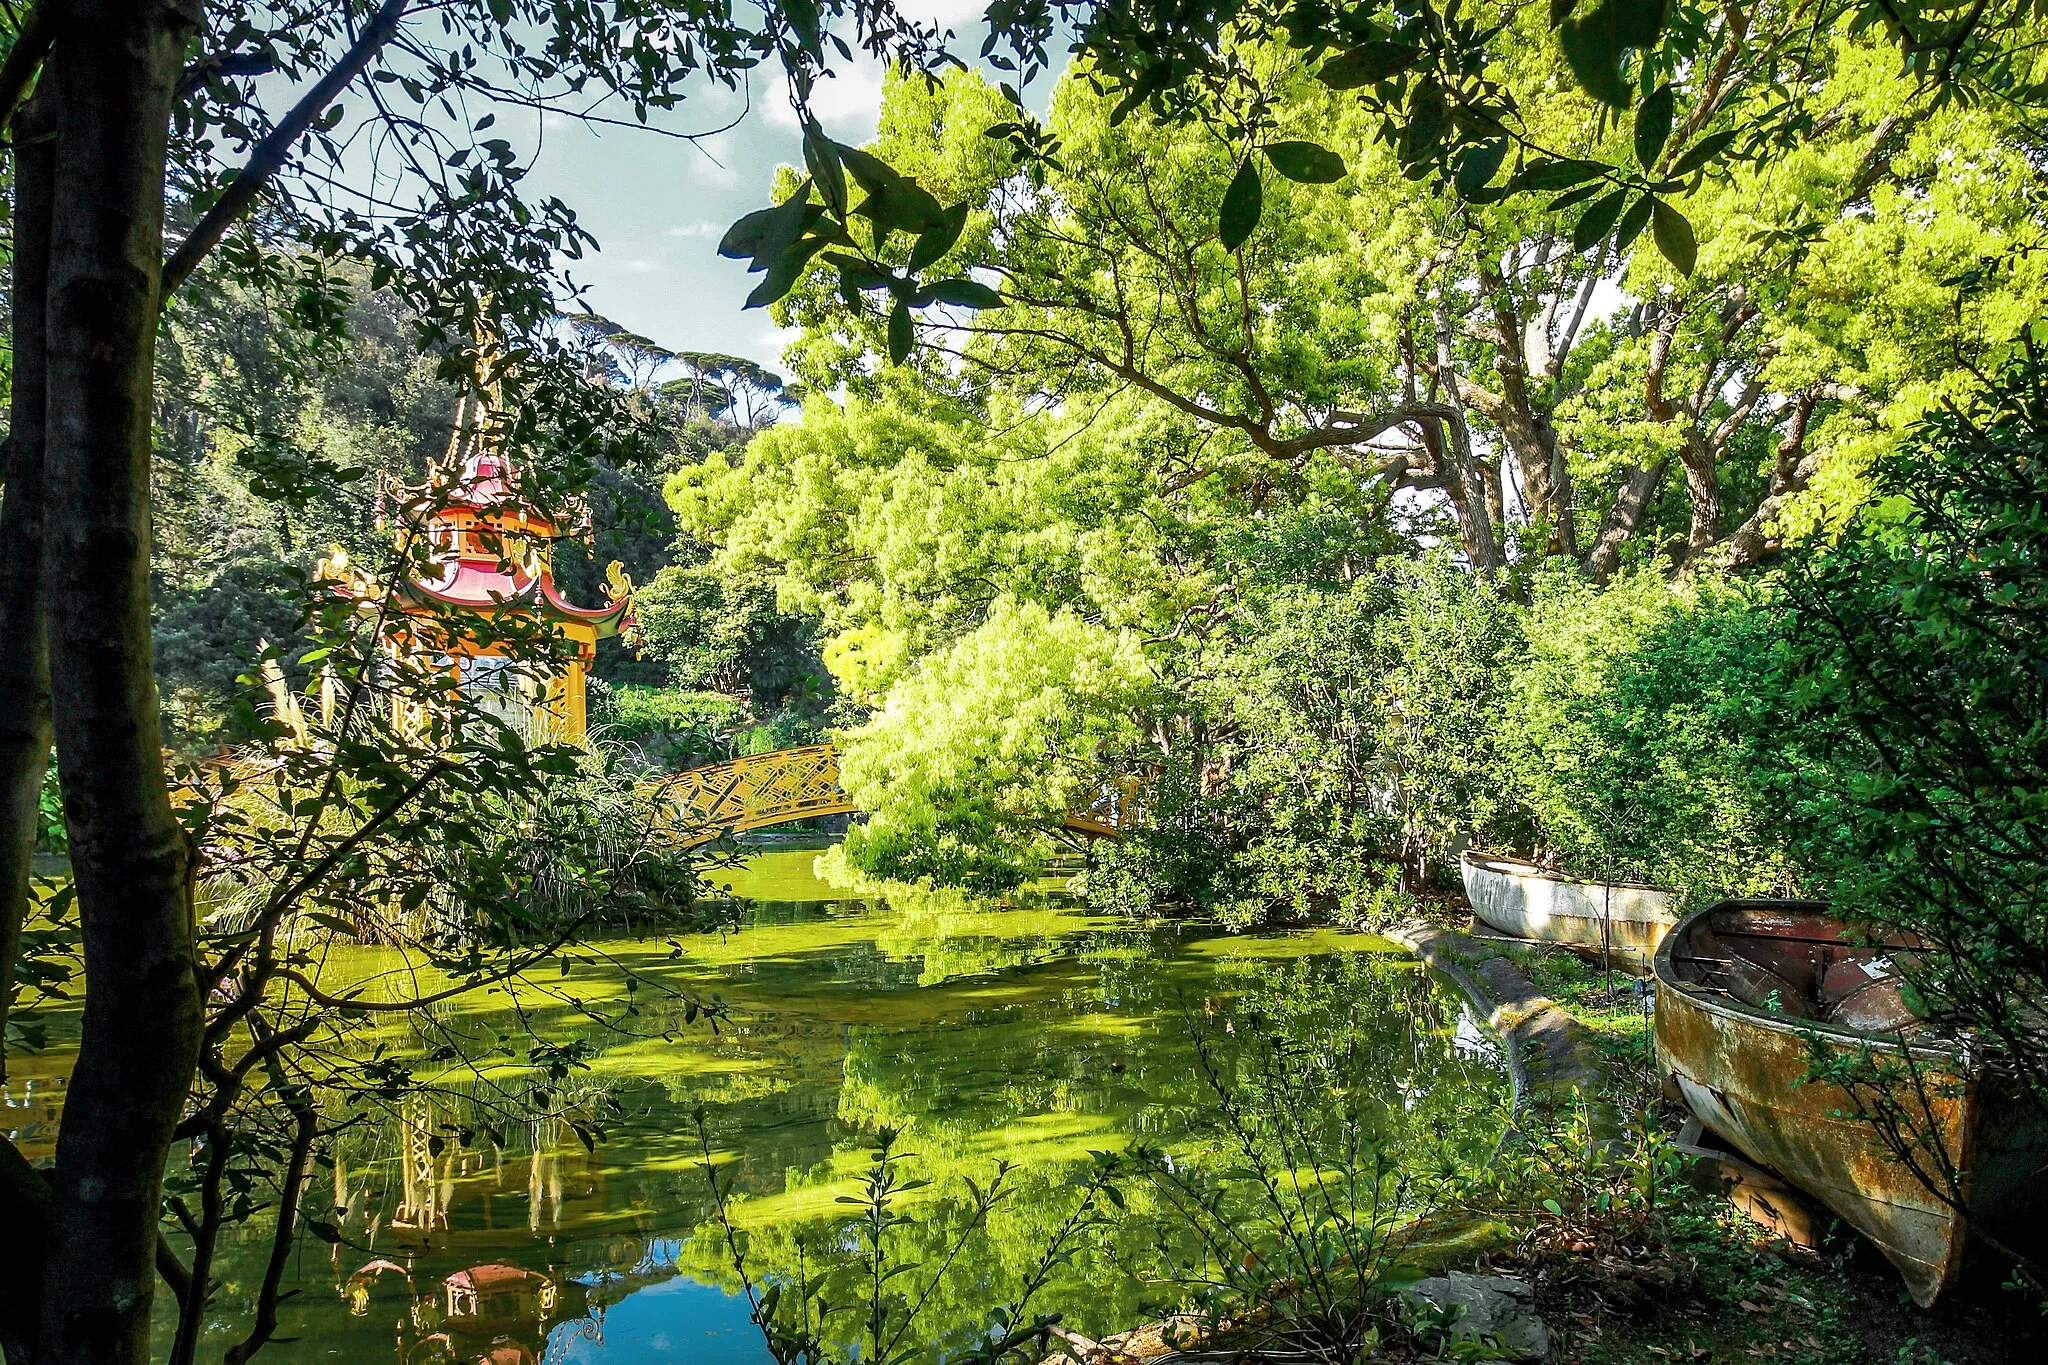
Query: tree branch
[[1756, 539], [1662, 409], [304, 1118], [269, 155], [1621, 521], [31, 44]]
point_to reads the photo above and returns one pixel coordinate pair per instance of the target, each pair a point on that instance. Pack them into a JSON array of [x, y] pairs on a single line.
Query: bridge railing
[[702, 804]]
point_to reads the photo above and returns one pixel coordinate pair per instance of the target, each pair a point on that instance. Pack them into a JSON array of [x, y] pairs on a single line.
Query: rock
[[1496, 1310]]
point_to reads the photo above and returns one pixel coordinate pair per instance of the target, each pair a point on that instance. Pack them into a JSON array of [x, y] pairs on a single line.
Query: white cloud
[[703, 227], [945, 13], [774, 341], [849, 104]]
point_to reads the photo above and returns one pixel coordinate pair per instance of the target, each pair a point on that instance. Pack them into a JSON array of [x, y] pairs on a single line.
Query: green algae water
[[1028, 1031]]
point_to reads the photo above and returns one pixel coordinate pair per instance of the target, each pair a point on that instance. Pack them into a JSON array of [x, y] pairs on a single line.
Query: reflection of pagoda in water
[[489, 557], [491, 1314]]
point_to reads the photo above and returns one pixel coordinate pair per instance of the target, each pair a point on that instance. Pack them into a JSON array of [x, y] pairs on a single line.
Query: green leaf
[[1596, 220], [858, 273], [326, 1232], [743, 239], [1555, 175], [1367, 63], [1242, 204], [1153, 80], [1653, 125], [1305, 162], [821, 159], [784, 271], [1576, 196], [1478, 166], [936, 241], [902, 333], [1429, 118], [803, 18], [767, 233], [1674, 236], [1703, 151], [964, 293], [1639, 23], [1593, 49], [1595, 44], [1632, 223], [894, 202], [334, 922]]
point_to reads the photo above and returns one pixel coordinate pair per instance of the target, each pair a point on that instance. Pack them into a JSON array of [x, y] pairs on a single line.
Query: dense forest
[[1413, 522], [250, 407]]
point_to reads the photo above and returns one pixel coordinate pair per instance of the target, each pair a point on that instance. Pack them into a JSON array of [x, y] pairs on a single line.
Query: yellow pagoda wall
[[565, 710]]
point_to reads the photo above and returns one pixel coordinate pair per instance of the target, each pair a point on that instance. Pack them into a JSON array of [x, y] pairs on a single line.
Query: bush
[[724, 632], [1623, 737], [1351, 751], [984, 748], [1910, 765], [680, 729]]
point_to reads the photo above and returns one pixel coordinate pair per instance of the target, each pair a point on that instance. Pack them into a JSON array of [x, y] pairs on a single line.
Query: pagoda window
[[494, 684]]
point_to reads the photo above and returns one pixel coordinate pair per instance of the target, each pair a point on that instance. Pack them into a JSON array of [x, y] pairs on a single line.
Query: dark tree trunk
[[1621, 521], [1703, 487], [25, 659], [115, 70]]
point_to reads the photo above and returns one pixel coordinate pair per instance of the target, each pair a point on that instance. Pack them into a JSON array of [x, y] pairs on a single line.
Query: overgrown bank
[[1702, 1282]]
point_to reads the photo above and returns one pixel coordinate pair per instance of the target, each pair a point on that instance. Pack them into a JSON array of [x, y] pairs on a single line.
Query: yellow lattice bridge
[[704, 804]]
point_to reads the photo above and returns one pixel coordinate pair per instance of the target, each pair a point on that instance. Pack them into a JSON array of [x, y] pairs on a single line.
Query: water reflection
[[483, 1315], [1030, 1031]]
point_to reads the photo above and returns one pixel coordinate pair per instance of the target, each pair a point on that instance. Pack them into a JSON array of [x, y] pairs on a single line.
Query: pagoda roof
[[487, 486], [473, 578], [468, 583]]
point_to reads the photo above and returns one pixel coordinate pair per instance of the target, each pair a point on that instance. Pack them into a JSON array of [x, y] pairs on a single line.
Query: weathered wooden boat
[[1747, 989], [1522, 900]]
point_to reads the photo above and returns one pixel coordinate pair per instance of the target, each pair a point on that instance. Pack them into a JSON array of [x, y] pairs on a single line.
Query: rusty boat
[[1523, 900], [1750, 992]]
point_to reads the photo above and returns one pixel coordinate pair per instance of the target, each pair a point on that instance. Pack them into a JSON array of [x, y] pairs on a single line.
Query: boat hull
[[1522, 900], [1740, 1068]]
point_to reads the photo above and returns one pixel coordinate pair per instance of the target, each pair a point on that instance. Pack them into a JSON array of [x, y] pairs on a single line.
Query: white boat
[[1521, 900]]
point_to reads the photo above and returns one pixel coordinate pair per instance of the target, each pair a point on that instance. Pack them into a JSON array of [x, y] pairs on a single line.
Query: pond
[[1028, 1030]]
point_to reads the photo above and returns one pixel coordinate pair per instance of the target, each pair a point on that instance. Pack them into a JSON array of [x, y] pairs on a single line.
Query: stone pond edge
[[1551, 1057]]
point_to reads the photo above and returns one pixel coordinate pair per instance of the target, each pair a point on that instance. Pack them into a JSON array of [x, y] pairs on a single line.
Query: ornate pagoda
[[489, 555]]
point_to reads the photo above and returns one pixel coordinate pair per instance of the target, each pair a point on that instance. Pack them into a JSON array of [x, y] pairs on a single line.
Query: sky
[[658, 205]]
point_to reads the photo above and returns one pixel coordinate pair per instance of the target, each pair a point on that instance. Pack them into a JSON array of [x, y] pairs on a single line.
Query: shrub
[[680, 729], [984, 748], [1910, 766], [1623, 736], [1351, 750]]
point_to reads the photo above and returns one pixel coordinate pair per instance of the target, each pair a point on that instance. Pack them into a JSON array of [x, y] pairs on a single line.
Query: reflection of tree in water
[[1045, 1082], [955, 935], [1039, 1033], [1115, 1041]]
